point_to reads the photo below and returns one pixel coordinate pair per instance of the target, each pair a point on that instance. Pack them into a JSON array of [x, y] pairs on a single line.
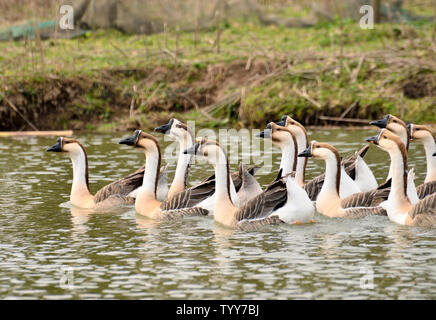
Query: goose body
[[399, 207], [243, 187], [403, 131], [179, 131], [313, 187], [364, 178], [114, 194], [298, 208], [329, 202], [146, 202], [253, 214]]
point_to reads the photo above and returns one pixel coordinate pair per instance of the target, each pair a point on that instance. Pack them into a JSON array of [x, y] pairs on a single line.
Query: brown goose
[[314, 186], [244, 184], [299, 208], [328, 201], [424, 135], [180, 132], [146, 203], [113, 194], [399, 127], [399, 207], [256, 212]]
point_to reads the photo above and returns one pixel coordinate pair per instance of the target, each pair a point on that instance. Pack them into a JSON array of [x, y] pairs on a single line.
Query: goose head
[[141, 140], [420, 133], [280, 136], [320, 150], [208, 149], [387, 141], [294, 126], [392, 123], [177, 130], [67, 145]]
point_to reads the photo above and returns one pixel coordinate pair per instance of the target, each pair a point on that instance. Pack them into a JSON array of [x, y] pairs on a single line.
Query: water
[[50, 251]]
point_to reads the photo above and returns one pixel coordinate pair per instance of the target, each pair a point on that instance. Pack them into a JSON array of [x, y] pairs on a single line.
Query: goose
[[146, 203], [299, 208], [245, 186], [250, 188], [255, 213], [313, 187], [329, 202], [116, 193], [399, 127], [400, 209], [179, 131], [424, 135]]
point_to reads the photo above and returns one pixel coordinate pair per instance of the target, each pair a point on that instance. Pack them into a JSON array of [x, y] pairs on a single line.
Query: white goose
[[146, 202], [399, 127], [399, 207], [424, 135], [299, 208], [256, 212], [116, 193], [244, 186], [179, 131], [329, 202], [350, 166]]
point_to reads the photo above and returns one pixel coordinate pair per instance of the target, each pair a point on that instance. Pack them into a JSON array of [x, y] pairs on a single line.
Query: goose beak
[[409, 127], [373, 140], [131, 141], [434, 154], [55, 148], [192, 150], [266, 134], [164, 128], [282, 122], [306, 153], [381, 123]]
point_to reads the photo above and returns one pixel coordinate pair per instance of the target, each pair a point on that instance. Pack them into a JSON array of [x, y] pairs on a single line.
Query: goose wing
[[314, 186], [191, 196], [350, 162], [424, 212], [361, 212], [366, 199], [274, 197], [426, 189], [122, 186], [180, 213], [252, 225]]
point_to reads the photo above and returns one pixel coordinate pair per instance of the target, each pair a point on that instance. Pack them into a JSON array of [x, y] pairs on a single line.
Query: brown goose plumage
[[314, 186], [424, 212], [426, 189]]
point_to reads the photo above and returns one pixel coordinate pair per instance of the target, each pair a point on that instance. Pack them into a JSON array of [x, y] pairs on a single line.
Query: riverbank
[[239, 74]]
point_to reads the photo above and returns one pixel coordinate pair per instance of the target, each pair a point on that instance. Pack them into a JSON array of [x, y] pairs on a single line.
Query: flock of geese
[[347, 189]]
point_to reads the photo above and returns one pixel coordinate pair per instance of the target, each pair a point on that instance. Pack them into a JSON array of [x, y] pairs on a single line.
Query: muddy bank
[[242, 93]]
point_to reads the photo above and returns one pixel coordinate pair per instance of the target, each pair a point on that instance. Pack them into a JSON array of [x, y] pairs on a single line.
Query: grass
[[170, 69]]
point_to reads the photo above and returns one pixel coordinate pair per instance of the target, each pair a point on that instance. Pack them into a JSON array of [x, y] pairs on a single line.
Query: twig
[[363, 121], [153, 93], [356, 71], [349, 109], [306, 96], [119, 50], [13, 107], [132, 102]]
